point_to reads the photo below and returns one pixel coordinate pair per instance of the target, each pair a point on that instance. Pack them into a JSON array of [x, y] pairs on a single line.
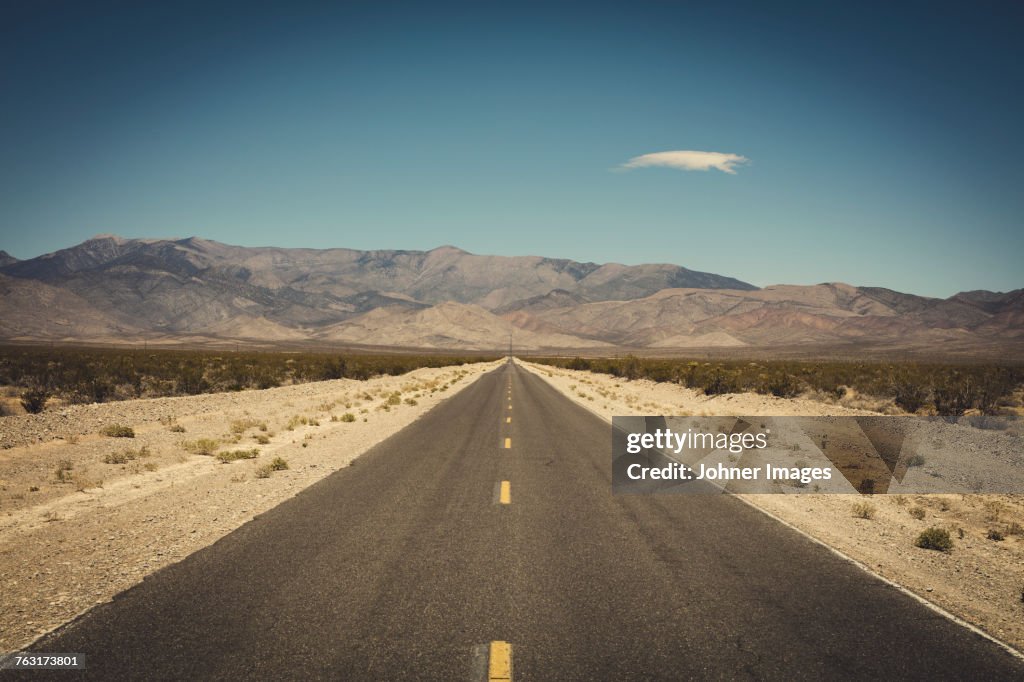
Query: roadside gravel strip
[[126, 507], [981, 580]]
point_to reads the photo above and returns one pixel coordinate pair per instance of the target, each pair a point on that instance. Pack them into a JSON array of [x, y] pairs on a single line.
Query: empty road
[[483, 542]]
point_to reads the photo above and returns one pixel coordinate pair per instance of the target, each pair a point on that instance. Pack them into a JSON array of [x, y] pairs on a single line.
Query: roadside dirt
[[85, 516], [981, 580]]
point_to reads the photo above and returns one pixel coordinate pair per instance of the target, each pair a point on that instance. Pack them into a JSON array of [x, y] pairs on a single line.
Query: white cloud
[[689, 160]]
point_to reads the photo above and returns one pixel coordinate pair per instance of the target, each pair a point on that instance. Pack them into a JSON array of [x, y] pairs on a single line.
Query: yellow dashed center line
[[499, 667], [505, 496], [508, 443], [508, 420]]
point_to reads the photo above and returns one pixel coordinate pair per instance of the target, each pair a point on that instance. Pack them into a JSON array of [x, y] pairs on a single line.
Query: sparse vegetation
[[95, 375], [240, 426], [202, 446], [34, 400], [278, 464], [908, 392], [118, 431], [235, 455], [295, 422], [917, 512], [126, 456], [935, 538], [63, 472], [945, 389], [864, 510]]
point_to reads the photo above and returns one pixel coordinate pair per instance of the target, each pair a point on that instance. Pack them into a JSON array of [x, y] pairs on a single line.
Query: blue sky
[[883, 145]]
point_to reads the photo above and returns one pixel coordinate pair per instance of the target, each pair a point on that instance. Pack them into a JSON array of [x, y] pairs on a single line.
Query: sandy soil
[[981, 580], [85, 516]]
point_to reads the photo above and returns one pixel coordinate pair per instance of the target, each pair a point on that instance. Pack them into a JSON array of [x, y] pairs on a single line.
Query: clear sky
[[871, 144]]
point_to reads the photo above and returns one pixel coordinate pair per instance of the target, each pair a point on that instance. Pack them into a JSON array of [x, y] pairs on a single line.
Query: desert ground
[[84, 516], [980, 581]]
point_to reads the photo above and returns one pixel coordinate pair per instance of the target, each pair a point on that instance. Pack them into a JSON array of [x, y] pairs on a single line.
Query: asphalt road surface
[[483, 541]]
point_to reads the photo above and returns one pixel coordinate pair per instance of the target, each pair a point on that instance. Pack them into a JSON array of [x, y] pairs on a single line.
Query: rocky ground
[[84, 516], [981, 580]]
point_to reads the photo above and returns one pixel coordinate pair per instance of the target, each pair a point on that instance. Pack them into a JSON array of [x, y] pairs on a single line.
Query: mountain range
[[111, 289]]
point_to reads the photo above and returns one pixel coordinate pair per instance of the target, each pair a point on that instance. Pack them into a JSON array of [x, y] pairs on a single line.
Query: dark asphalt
[[397, 567]]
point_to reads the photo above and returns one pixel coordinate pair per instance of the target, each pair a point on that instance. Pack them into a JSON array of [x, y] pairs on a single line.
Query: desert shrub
[[910, 392], [240, 426], [629, 367], [63, 472], [202, 446], [994, 510], [578, 363], [348, 417], [779, 385], [266, 470], [118, 431], [993, 384], [262, 438], [235, 455], [935, 538], [34, 400], [176, 428], [916, 460], [115, 458], [917, 512], [394, 399], [996, 535], [955, 395], [864, 510], [719, 382]]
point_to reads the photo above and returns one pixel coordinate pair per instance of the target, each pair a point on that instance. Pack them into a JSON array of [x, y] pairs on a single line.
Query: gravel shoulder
[[125, 507], [980, 580]]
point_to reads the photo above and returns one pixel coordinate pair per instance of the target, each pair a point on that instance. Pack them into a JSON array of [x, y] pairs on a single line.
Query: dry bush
[[864, 510]]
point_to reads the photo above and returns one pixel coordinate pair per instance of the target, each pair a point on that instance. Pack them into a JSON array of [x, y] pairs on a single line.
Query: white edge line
[[864, 567]]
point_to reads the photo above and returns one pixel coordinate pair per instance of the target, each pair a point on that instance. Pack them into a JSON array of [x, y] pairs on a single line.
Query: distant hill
[[110, 288], [820, 315]]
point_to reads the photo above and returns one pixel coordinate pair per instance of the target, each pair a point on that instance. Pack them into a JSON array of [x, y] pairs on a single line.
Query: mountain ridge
[[450, 298]]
